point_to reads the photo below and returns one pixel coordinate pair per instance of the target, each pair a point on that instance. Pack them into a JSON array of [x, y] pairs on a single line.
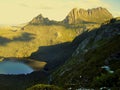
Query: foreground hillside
[[44, 87], [95, 63]]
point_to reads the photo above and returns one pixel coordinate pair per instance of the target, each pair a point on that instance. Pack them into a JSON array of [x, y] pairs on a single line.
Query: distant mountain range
[[95, 15], [77, 16]]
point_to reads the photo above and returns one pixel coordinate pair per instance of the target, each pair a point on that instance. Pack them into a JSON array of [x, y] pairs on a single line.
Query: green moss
[[44, 87], [107, 80]]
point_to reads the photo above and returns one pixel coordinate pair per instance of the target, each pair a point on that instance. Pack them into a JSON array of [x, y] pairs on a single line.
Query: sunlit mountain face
[[59, 45]]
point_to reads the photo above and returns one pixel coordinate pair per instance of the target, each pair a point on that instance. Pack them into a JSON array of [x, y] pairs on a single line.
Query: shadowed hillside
[[22, 81], [24, 37], [54, 55], [97, 51]]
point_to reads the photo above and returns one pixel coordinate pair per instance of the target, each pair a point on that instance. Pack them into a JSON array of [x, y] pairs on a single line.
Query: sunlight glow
[[22, 11]]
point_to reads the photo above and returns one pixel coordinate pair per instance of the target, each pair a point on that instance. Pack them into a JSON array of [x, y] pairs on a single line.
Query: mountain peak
[[77, 16], [96, 15], [39, 20], [39, 16]]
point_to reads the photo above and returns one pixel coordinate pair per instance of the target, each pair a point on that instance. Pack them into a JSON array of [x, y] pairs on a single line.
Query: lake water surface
[[12, 67]]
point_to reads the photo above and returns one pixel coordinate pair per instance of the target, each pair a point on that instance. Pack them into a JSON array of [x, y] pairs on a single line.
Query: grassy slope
[[76, 73], [90, 68], [44, 87], [22, 43]]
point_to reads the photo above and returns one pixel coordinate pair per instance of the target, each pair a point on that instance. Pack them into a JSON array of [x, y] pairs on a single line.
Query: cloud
[[23, 5], [36, 4], [36, 7], [45, 7], [116, 13]]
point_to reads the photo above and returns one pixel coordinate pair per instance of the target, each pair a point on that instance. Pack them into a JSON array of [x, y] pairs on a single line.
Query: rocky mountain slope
[[95, 15], [40, 20], [77, 16], [54, 54], [46, 53], [95, 62], [40, 32]]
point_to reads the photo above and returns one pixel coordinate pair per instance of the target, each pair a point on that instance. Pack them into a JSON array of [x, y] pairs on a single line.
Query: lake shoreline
[[35, 64]]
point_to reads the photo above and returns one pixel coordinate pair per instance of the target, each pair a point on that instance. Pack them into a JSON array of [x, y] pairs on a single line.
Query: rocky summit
[[95, 15], [40, 20], [77, 16]]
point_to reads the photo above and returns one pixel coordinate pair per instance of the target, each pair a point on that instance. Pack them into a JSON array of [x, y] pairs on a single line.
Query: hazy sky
[[22, 11]]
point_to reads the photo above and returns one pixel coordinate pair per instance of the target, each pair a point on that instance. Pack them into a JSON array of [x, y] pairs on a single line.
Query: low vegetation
[[44, 87], [86, 69]]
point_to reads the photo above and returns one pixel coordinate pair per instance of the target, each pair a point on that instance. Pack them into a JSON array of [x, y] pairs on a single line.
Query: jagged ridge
[[77, 16], [40, 20], [96, 15]]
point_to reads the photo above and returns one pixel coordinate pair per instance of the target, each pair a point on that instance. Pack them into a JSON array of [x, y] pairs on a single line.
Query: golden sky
[[22, 11]]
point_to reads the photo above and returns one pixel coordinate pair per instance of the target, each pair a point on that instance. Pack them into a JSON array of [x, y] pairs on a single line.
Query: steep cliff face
[[95, 15], [77, 16], [95, 62]]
